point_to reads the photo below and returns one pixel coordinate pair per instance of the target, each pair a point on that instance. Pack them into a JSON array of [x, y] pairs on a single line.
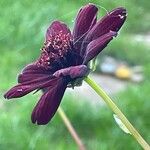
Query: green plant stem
[[71, 129], [118, 112]]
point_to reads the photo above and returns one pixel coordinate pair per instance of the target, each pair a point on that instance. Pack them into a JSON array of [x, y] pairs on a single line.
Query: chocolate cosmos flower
[[64, 58]]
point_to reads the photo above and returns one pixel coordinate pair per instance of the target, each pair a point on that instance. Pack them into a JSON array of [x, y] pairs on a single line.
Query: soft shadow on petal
[[73, 72], [96, 46], [55, 28], [85, 20], [111, 22], [27, 87], [49, 102]]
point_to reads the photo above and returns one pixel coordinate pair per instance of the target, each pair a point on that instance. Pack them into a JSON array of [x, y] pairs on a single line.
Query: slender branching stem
[[71, 129], [118, 112]]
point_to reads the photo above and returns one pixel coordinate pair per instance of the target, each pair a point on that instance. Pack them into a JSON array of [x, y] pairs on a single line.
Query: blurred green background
[[22, 27]]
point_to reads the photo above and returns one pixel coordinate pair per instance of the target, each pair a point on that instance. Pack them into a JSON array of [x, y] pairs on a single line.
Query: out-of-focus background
[[123, 70]]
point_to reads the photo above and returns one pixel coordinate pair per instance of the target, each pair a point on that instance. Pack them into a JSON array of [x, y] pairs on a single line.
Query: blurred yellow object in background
[[123, 72]]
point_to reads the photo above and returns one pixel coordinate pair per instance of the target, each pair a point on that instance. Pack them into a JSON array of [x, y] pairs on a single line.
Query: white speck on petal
[[121, 17], [19, 90]]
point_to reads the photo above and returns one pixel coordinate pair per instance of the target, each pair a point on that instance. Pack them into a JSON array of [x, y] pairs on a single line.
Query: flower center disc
[[54, 48]]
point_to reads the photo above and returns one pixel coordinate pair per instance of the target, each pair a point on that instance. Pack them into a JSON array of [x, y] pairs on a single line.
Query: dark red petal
[[27, 87], [32, 72], [48, 103], [35, 69], [73, 72], [111, 22], [96, 46], [85, 19], [57, 27]]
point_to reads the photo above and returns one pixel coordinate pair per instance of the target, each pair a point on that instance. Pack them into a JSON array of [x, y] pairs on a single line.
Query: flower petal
[[32, 72], [96, 46], [86, 18], [73, 72], [27, 87], [111, 22], [55, 28], [49, 102]]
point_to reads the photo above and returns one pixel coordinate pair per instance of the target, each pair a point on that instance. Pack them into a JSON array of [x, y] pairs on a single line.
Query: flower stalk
[[118, 112], [71, 129]]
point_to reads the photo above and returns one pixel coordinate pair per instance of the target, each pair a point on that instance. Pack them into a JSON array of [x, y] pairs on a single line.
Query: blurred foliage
[[23, 23], [127, 49], [96, 125], [22, 28]]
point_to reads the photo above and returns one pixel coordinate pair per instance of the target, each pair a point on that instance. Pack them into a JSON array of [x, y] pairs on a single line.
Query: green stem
[[118, 112], [71, 129]]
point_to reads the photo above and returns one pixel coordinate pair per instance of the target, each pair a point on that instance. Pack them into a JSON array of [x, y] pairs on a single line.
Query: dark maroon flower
[[64, 58]]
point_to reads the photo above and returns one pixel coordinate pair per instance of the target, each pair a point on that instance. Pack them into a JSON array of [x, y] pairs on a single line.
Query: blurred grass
[[95, 125], [22, 28]]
